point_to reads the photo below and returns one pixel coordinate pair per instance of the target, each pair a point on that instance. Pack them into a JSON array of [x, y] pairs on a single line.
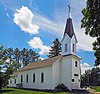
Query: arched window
[[76, 64], [34, 78], [21, 78], [15, 81], [42, 77], [10, 81], [27, 78]]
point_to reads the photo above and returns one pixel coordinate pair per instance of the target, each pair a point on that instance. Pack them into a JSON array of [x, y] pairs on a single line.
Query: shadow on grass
[[1, 91], [81, 91], [50, 91]]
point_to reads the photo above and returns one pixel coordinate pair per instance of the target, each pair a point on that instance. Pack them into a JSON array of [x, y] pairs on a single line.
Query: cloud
[[37, 43], [84, 41], [23, 18], [84, 67], [57, 26], [47, 24], [7, 15]]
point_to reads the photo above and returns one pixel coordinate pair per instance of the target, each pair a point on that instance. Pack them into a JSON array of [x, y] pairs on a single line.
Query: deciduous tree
[[91, 23]]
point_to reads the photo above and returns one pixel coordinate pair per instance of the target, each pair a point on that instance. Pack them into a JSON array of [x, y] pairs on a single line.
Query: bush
[[61, 87]]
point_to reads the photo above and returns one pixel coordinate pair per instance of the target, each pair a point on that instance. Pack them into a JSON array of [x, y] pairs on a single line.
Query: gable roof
[[41, 63]]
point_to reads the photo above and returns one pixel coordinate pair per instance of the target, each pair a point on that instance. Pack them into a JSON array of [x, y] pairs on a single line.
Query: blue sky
[[44, 20]]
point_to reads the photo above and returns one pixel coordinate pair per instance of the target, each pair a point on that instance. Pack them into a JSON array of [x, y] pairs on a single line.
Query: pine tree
[[91, 23], [55, 49], [28, 56]]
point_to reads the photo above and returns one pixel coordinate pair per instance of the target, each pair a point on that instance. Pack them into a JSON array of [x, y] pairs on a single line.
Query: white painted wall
[[66, 40], [62, 71], [37, 85], [56, 72], [70, 42], [76, 70], [66, 71], [13, 82]]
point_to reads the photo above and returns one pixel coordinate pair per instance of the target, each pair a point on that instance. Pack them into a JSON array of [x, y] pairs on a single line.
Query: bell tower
[[69, 40]]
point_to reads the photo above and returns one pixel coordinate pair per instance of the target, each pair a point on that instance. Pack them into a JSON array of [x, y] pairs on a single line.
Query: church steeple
[[69, 39], [69, 25]]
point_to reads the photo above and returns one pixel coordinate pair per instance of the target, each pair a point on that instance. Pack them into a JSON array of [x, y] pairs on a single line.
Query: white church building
[[47, 74]]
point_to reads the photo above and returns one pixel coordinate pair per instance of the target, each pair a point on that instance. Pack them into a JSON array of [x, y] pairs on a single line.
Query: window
[[15, 81], [27, 78], [72, 80], [10, 81], [42, 77], [33, 77], [76, 64], [21, 78], [66, 47], [73, 47], [75, 74]]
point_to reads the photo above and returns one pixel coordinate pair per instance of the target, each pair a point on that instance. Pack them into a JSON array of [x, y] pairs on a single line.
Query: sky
[[36, 23]]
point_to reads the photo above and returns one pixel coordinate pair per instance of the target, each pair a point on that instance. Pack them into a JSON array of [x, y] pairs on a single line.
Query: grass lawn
[[21, 91], [97, 88]]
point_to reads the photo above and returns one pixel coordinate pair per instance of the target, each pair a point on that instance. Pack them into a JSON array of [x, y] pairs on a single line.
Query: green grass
[[97, 88], [21, 91]]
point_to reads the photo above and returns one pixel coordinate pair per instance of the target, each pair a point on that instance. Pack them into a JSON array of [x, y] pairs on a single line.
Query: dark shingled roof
[[69, 28]]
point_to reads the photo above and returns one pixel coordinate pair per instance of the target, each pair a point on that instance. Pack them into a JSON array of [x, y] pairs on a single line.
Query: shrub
[[61, 87]]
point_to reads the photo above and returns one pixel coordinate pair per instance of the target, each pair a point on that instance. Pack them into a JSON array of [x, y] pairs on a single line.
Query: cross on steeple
[[69, 8], [69, 11]]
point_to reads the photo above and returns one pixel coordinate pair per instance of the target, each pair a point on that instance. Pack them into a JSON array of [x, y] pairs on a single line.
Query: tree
[[3, 58], [55, 48], [1, 79], [28, 56], [17, 57], [33, 56], [10, 60], [91, 77], [7, 65], [91, 23]]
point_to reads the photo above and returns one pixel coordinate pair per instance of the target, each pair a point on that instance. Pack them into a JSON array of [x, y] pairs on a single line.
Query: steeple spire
[[69, 11], [69, 39], [69, 25]]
